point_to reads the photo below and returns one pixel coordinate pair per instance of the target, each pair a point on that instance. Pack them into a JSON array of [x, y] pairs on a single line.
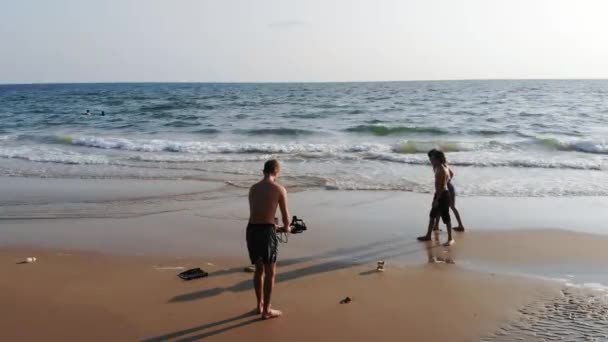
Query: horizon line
[[309, 82]]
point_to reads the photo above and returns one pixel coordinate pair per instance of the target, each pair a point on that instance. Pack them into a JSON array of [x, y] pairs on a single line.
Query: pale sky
[[304, 40]]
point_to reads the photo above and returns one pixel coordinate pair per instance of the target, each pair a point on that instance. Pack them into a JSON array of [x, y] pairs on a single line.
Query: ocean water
[[502, 138]]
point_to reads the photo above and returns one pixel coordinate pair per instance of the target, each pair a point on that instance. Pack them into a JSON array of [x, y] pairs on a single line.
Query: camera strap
[[283, 237]]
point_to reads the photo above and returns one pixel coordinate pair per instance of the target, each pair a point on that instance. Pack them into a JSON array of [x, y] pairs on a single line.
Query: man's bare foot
[[459, 229], [271, 313], [449, 243], [424, 238]]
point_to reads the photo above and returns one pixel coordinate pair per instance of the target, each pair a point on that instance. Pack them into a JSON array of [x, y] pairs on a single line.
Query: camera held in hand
[[297, 225]]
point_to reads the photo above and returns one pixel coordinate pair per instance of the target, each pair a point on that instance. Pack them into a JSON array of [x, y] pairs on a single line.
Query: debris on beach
[[249, 269], [346, 300], [193, 274], [30, 260], [380, 266], [167, 268]]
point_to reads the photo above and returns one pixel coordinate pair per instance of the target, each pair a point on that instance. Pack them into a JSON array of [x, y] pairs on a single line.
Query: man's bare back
[[264, 198]]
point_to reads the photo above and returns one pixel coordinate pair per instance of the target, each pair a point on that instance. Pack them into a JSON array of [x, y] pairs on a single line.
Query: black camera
[[297, 225]]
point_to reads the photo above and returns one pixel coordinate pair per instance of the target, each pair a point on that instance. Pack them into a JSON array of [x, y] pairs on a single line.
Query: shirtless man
[[452, 190], [262, 243], [441, 200]]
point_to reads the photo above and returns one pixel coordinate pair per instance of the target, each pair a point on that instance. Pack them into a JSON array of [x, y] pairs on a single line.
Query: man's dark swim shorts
[[262, 243], [443, 207]]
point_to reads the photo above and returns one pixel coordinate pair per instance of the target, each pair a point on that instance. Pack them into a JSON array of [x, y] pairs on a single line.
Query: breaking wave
[[380, 130]]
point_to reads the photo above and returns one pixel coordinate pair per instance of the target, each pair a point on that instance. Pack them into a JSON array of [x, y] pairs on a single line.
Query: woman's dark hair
[[440, 156], [432, 152]]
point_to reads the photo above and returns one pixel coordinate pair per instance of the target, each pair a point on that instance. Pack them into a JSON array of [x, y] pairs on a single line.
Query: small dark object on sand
[[346, 300], [193, 274], [249, 269]]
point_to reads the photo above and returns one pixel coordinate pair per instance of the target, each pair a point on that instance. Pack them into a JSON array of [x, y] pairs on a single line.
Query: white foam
[[194, 158], [50, 155], [162, 145], [596, 286], [570, 283], [497, 159], [469, 154], [591, 147]]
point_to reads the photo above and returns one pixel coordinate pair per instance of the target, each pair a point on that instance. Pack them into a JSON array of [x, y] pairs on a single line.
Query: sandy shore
[[83, 296], [106, 266]]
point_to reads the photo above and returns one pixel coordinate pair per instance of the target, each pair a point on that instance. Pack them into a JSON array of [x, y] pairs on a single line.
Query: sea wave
[[399, 147], [414, 147], [163, 145], [585, 146], [208, 131], [276, 131], [381, 130], [167, 106], [182, 123], [190, 158], [490, 160]]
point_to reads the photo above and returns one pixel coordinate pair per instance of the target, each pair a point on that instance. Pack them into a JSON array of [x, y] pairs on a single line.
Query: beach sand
[[83, 296], [106, 268]]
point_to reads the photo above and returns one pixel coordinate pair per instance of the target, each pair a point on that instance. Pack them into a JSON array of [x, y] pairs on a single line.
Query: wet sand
[[574, 315], [102, 266], [539, 246]]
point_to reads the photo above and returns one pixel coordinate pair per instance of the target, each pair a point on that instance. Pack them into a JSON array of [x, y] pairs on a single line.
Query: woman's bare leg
[[460, 227]]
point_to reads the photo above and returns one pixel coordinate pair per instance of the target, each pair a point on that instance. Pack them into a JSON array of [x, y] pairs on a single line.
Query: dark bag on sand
[[193, 274]]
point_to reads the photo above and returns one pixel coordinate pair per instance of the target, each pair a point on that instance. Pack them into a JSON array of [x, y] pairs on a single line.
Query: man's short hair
[[271, 166]]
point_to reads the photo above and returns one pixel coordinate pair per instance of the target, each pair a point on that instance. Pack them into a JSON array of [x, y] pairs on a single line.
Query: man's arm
[[250, 198], [451, 173], [283, 207]]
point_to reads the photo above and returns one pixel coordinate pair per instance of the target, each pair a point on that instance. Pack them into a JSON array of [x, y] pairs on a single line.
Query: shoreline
[[207, 219]]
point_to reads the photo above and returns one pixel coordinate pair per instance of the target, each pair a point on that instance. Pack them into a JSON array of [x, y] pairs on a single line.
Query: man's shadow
[[204, 331], [336, 260]]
